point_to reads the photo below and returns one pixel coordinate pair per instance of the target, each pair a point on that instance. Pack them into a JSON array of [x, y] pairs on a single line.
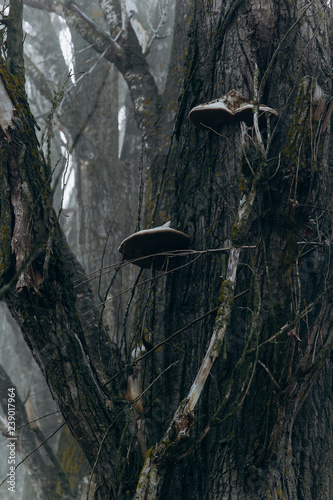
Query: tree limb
[[40, 474], [126, 54]]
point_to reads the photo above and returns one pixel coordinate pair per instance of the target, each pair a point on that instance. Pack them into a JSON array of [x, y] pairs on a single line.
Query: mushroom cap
[[142, 246], [231, 107]]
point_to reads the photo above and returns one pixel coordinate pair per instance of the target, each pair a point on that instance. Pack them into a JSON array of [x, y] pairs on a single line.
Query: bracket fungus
[[233, 106], [141, 248]]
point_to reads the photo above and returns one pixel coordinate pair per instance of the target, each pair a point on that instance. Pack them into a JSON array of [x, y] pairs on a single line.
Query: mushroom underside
[[210, 117], [141, 248]]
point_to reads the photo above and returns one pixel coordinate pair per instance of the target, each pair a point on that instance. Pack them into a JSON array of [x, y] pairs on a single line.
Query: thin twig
[[128, 406], [269, 374], [33, 451]]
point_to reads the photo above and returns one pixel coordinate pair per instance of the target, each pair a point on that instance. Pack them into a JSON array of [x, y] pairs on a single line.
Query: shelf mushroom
[[141, 248], [233, 106]]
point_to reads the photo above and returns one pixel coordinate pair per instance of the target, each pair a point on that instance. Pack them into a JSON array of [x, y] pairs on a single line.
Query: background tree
[[257, 406]]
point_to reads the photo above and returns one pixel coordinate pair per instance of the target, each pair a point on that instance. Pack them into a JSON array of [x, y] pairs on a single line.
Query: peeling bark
[[6, 110], [247, 416]]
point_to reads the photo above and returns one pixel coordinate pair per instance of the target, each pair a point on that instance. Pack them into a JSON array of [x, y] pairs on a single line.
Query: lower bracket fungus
[[149, 247], [233, 106]]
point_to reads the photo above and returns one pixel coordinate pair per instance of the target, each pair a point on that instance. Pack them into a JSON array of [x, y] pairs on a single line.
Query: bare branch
[[13, 22], [126, 54], [113, 15], [156, 31]]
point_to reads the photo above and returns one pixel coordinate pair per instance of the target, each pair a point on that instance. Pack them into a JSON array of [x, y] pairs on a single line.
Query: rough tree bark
[[265, 407], [38, 263], [242, 439]]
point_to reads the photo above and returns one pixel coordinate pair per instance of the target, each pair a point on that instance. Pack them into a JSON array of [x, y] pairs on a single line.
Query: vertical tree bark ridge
[[254, 415], [13, 21], [23, 187]]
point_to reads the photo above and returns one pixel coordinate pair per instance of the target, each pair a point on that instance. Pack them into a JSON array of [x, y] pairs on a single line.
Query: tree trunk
[[237, 378], [35, 261], [253, 420]]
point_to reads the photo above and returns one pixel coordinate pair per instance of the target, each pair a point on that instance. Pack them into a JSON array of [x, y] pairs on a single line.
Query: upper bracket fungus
[[233, 106], [141, 248]]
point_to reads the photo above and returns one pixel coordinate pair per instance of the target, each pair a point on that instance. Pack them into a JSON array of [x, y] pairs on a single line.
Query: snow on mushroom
[[233, 106], [141, 248]]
